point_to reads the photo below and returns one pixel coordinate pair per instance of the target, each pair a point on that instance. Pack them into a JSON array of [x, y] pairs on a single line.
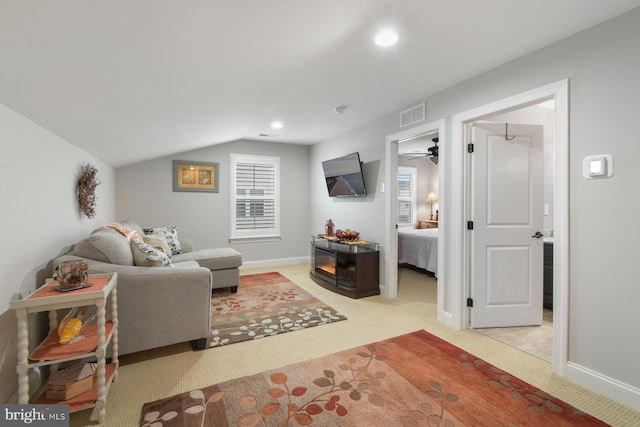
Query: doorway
[[536, 340], [390, 288], [458, 187], [417, 207]]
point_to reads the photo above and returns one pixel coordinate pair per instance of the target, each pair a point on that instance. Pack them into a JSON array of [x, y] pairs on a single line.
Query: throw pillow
[[146, 256], [171, 233], [128, 232], [133, 225], [158, 241]]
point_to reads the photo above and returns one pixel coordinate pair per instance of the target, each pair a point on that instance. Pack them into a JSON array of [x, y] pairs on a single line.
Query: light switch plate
[[598, 166]]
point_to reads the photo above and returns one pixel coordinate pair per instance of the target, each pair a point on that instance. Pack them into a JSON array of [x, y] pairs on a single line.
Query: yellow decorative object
[[71, 326], [70, 330]]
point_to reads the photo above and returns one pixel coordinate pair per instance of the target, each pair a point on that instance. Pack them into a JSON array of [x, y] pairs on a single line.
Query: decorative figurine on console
[[329, 228]]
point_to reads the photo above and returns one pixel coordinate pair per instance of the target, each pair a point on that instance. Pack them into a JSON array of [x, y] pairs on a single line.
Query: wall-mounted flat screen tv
[[343, 176]]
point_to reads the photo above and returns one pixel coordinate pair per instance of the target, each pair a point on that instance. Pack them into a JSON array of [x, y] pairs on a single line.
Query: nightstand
[[427, 223]]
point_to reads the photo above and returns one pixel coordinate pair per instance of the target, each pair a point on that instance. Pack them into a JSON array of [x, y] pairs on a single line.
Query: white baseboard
[[604, 385], [275, 262], [446, 319]]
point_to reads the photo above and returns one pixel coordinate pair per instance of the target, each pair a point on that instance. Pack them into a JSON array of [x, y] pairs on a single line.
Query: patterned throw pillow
[[146, 256], [171, 233], [158, 241]]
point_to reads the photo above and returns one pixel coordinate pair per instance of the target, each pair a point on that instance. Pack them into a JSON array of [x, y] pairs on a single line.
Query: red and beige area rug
[[265, 305], [415, 379]]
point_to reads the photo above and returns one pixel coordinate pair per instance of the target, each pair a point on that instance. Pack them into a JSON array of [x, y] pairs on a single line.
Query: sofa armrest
[[161, 306], [186, 245]]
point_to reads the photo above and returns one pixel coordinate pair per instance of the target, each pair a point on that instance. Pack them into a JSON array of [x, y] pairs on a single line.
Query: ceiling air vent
[[413, 115]]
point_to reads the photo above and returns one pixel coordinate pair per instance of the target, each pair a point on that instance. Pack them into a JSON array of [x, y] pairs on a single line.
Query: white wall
[[145, 194], [602, 65], [40, 218]]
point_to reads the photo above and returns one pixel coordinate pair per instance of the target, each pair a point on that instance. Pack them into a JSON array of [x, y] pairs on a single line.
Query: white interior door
[[507, 213]]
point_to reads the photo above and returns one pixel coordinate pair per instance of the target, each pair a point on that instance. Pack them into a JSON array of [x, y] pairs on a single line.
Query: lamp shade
[[431, 197]]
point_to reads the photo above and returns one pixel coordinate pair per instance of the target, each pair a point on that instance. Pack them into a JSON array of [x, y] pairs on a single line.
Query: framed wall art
[[195, 176]]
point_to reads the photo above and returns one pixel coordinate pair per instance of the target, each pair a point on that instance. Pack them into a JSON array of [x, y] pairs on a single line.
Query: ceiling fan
[[431, 153]]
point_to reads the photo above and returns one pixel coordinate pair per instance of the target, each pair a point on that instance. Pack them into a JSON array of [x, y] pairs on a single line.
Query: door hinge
[[470, 148], [469, 225], [470, 302]]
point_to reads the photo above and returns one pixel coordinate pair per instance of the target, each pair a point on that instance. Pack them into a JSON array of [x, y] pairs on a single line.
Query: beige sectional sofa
[[159, 306]]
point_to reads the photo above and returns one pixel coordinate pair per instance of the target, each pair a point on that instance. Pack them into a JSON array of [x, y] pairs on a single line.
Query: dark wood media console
[[350, 270]]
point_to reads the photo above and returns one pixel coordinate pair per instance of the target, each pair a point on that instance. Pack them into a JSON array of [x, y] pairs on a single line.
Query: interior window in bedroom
[[406, 205], [255, 197]]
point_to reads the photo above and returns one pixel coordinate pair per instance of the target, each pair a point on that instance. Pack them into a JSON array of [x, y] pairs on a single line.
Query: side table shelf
[[50, 352]]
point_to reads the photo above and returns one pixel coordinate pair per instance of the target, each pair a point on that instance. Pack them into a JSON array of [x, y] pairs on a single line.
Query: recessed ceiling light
[[386, 38], [276, 125]]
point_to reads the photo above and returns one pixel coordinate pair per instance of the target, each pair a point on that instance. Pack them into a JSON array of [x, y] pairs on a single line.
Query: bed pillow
[[146, 256], [171, 233]]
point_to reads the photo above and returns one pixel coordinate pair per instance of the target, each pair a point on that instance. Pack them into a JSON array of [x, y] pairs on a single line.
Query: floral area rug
[[265, 305], [415, 379]]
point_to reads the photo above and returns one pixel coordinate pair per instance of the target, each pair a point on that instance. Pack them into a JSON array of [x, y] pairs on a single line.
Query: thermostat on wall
[[600, 166]]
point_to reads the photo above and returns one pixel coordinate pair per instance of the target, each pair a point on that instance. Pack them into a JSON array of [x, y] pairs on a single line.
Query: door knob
[[537, 235]]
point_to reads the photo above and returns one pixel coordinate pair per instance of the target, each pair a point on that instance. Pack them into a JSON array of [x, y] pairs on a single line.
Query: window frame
[[412, 199], [253, 234]]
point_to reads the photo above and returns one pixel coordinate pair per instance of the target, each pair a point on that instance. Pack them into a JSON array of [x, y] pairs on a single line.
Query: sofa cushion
[[213, 259], [171, 233], [187, 264], [106, 245], [145, 255], [158, 241]]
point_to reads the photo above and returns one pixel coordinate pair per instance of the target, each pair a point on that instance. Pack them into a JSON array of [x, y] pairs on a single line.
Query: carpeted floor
[[404, 381], [164, 372]]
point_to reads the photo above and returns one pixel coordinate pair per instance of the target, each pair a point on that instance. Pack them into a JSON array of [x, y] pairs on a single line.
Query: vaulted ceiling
[[133, 80]]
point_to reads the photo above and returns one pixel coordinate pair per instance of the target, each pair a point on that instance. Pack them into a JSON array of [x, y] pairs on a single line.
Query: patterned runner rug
[[265, 305], [415, 379]]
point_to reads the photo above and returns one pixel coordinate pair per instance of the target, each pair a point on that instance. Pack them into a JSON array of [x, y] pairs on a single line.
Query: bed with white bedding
[[419, 247]]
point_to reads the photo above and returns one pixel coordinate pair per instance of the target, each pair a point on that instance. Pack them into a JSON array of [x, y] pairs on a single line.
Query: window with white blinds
[[255, 197], [406, 204]]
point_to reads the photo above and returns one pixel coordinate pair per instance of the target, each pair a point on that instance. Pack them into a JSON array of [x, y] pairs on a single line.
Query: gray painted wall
[[145, 194], [40, 218], [602, 65]]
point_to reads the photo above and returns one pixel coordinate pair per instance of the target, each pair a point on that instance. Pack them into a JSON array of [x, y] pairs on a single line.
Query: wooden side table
[[50, 352], [427, 223]]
